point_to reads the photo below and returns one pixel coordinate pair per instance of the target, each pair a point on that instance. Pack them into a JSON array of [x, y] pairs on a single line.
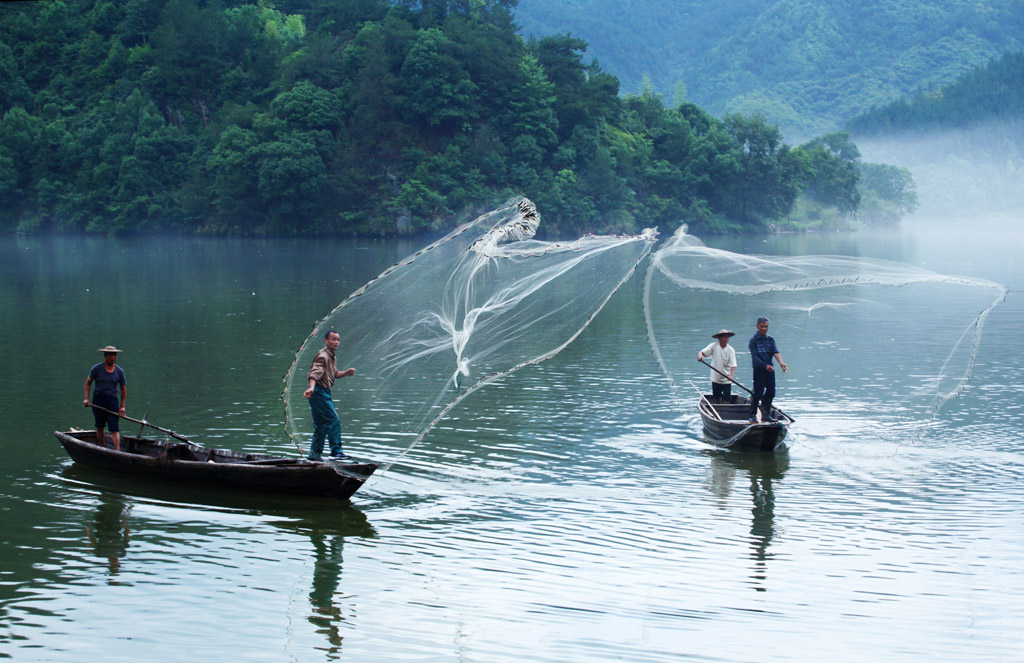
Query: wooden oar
[[177, 436], [744, 388], [726, 377]]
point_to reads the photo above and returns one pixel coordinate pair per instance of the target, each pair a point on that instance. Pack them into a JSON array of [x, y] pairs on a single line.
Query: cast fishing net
[[867, 341], [481, 302]]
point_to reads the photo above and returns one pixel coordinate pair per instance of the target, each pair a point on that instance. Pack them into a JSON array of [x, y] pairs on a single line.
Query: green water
[[567, 513]]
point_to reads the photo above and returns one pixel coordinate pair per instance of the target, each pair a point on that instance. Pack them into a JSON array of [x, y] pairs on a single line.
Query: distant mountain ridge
[[964, 142], [991, 92], [808, 66]]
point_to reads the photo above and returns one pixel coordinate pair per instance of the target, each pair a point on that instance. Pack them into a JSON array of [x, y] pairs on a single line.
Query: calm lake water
[[568, 513]]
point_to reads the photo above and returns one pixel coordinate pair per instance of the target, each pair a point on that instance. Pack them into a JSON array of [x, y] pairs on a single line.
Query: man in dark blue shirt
[[762, 350], [109, 379]]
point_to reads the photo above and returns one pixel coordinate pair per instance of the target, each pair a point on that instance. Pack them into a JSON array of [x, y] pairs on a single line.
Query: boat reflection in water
[[325, 522], [760, 471]]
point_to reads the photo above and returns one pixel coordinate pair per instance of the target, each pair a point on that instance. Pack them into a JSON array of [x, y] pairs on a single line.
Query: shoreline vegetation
[[377, 118]]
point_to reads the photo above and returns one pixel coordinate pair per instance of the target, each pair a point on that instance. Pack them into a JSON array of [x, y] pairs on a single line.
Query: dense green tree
[[13, 90], [291, 180], [373, 101], [9, 193], [147, 159], [584, 94], [370, 116], [831, 171], [307, 106], [337, 18], [186, 48], [760, 177], [435, 87], [531, 105], [19, 134], [888, 193], [140, 19], [235, 188]]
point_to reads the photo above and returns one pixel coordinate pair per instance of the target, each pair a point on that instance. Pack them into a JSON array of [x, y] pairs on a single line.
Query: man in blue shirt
[[109, 379], [762, 350]]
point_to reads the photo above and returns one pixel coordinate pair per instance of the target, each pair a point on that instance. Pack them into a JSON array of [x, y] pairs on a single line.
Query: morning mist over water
[[960, 173]]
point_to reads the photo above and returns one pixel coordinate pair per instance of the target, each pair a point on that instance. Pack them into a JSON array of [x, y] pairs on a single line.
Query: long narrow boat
[[727, 425], [191, 463]]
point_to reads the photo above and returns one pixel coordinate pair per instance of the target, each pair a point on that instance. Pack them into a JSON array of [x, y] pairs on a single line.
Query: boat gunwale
[[296, 475], [744, 435]]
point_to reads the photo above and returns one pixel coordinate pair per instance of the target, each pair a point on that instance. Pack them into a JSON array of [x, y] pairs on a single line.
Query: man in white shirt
[[723, 361]]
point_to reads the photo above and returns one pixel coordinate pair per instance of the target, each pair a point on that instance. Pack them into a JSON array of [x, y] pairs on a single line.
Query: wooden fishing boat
[[727, 425], [188, 462]]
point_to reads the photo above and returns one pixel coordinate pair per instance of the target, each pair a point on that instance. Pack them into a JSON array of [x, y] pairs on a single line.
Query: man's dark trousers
[[764, 391]]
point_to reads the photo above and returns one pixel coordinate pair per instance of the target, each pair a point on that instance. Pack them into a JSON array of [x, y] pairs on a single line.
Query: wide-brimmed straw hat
[[723, 332], [109, 348]]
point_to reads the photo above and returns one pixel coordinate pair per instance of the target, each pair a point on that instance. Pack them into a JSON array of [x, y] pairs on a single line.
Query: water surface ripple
[[570, 512]]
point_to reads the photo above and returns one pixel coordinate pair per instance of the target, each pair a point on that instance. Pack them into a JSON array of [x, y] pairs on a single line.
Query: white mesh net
[[898, 340], [476, 305]]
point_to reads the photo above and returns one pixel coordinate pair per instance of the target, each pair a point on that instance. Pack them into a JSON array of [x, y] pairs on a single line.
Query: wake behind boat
[[189, 462], [726, 425]]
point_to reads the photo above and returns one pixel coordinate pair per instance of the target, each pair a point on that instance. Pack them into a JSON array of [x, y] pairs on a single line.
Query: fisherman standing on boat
[[107, 376], [762, 348], [326, 423], [723, 362]]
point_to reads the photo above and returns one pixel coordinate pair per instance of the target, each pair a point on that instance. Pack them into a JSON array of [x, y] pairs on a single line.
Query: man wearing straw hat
[[107, 376], [723, 362]]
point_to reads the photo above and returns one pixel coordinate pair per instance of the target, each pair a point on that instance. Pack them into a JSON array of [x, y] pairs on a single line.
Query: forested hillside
[[991, 92], [362, 117], [809, 66]]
